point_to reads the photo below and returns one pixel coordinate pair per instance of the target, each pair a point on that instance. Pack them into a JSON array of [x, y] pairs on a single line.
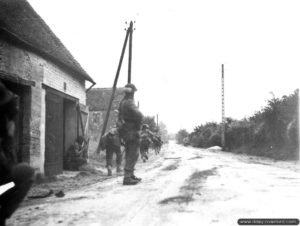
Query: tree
[[150, 121], [163, 132], [181, 135]]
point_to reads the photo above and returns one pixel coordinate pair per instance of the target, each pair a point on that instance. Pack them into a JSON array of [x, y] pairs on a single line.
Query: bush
[[181, 135], [273, 131], [238, 133], [196, 140], [206, 135], [150, 121]]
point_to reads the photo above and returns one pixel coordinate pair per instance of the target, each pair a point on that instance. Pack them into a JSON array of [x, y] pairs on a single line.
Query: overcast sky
[[178, 49]]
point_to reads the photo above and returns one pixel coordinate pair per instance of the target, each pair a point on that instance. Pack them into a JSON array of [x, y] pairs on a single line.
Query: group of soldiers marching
[[130, 133]]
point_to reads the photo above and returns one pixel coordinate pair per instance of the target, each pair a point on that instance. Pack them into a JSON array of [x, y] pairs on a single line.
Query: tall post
[[114, 88], [130, 51], [157, 120], [223, 111]]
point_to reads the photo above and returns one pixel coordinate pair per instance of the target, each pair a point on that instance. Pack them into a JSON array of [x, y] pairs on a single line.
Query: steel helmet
[[145, 126], [131, 87]]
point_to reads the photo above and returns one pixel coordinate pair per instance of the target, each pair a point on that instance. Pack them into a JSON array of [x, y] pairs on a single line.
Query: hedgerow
[[273, 131]]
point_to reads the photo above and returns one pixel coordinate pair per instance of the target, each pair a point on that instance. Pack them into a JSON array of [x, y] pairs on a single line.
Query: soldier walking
[[157, 142], [112, 144], [20, 175], [129, 122], [146, 139]]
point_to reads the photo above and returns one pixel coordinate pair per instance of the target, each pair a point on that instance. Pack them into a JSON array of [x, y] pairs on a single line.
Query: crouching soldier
[[76, 155], [19, 175], [146, 140], [112, 144], [129, 122]]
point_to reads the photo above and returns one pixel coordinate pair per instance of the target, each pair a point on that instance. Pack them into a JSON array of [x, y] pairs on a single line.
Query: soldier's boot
[[109, 172], [130, 181], [136, 178], [119, 169], [128, 178]]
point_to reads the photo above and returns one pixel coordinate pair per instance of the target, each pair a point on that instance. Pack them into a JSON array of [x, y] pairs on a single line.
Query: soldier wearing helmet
[[146, 139], [129, 123], [130, 88], [145, 126], [112, 144]]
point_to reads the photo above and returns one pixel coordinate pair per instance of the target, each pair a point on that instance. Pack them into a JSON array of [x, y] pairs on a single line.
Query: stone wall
[[20, 65]]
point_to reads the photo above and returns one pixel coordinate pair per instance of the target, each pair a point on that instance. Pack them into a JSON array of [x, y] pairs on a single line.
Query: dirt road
[[182, 186]]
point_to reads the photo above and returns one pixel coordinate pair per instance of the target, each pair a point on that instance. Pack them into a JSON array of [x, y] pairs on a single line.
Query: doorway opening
[[22, 121]]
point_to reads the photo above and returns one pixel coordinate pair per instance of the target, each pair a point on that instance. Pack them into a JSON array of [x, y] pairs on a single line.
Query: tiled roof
[[21, 23], [98, 99]]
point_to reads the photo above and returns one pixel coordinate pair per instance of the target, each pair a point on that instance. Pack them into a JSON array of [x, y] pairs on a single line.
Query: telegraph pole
[[130, 52], [223, 111], [128, 32]]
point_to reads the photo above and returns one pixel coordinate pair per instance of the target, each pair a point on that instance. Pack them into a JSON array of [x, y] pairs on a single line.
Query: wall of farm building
[[17, 63]]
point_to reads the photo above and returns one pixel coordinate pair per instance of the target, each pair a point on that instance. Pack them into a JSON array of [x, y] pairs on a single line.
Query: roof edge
[[46, 55]]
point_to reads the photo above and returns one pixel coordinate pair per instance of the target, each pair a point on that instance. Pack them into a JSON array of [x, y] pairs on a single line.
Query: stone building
[[49, 81], [98, 101]]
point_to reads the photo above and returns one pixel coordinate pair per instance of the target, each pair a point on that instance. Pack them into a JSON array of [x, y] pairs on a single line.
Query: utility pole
[[128, 32], [157, 120], [223, 111], [130, 52]]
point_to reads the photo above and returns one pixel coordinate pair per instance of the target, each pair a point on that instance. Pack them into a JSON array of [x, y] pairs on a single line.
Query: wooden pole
[[80, 120], [130, 52], [114, 88], [223, 111]]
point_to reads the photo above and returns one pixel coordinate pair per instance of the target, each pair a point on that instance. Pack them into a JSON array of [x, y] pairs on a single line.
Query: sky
[[178, 49]]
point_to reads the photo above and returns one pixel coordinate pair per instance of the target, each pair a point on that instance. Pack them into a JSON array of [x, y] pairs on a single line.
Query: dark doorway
[[54, 134], [70, 125], [22, 121], [61, 129]]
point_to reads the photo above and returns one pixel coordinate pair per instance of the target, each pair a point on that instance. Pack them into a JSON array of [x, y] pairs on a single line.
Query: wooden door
[[54, 134]]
